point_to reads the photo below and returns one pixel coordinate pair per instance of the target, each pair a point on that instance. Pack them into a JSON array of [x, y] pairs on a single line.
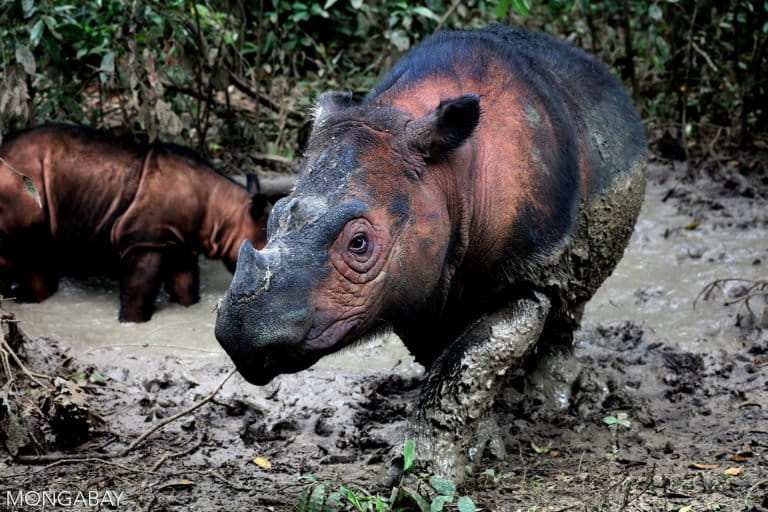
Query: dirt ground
[[697, 416]]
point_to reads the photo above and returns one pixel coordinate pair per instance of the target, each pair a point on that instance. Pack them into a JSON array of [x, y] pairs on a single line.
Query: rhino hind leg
[[182, 279], [139, 285], [462, 383], [26, 283]]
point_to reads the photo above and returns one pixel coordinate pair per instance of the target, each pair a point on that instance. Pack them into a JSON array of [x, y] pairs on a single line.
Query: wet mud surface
[[693, 385]]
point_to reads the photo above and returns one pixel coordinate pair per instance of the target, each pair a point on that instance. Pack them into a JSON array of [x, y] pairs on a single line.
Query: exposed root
[[750, 290]]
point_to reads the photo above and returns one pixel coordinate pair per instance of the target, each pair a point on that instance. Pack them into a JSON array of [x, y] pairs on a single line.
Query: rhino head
[[362, 242]]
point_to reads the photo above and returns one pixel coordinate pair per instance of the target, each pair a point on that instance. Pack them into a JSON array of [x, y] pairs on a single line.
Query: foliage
[[224, 75], [419, 492]]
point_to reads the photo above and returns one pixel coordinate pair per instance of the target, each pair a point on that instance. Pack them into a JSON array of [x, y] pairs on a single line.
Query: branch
[[176, 416]]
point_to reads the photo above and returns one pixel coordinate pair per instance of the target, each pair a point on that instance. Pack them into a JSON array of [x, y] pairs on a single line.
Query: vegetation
[[419, 492], [221, 75]]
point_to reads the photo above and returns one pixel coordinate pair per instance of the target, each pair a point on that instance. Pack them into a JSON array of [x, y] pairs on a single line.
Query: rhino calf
[[107, 203], [473, 202]]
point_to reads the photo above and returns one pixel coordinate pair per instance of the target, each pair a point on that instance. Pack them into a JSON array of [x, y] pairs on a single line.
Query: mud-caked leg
[[139, 285], [182, 278], [461, 385]]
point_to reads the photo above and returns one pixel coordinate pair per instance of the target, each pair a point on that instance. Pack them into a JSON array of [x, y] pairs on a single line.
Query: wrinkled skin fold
[[473, 201]]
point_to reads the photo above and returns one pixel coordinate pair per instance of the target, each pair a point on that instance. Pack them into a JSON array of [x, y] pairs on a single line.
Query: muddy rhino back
[[611, 150], [553, 172]]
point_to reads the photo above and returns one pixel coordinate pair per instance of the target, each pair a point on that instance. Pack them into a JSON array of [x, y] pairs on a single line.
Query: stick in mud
[[38, 459]]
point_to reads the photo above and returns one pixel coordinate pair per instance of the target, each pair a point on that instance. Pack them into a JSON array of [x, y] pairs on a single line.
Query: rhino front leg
[[140, 283], [461, 385], [182, 279]]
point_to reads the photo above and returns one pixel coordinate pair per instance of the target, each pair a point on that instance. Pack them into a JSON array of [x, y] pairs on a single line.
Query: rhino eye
[[358, 244]]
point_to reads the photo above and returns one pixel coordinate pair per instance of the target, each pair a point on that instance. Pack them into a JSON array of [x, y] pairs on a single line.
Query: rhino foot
[[461, 385]]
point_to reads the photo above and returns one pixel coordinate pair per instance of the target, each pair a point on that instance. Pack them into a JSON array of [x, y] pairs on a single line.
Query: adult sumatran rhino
[[473, 202], [105, 202]]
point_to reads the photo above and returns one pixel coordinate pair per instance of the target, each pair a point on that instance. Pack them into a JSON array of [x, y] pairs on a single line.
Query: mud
[[692, 382]]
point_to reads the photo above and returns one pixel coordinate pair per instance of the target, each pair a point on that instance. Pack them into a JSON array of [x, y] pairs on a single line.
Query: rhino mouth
[[261, 369]]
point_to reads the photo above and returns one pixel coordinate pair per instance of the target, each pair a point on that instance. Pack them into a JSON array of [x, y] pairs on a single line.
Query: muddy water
[[670, 259], [664, 268], [83, 313]]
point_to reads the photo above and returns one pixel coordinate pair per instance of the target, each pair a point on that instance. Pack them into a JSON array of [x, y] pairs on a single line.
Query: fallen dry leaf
[[262, 462], [178, 482], [554, 453], [696, 465], [539, 449], [737, 458], [733, 471]]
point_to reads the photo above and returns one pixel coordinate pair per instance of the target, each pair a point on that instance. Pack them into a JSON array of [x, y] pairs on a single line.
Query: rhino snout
[[251, 273]]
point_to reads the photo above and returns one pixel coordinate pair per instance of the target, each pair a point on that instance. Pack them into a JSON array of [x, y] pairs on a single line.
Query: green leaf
[[522, 7], [329, 3], [26, 59], [36, 33], [31, 190], [400, 39], [409, 449], [317, 498], [623, 419], [303, 504], [27, 6], [356, 4], [50, 22], [352, 497], [610, 420], [426, 13], [108, 63], [654, 12], [333, 503], [465, 504], [417, 499], [502, 8], [96, 378], [443, 486], [439, 502]]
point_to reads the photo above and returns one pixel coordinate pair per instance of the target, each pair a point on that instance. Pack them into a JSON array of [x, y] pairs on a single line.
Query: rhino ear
[[260, 207], [330, 102], [252, 184], [446, 127]]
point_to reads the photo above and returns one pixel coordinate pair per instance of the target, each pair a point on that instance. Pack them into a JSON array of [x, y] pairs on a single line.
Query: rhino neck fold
[[225, 218], [454, 181]]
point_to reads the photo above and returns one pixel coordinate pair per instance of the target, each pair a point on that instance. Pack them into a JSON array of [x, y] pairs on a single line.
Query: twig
[[181, 453], [263, 98], [648, 482], [32, 376], [703, 54], [274, 158], [748, 497], [72, 460], [151, 345], [447, 14], [47, 458], [176, 416]]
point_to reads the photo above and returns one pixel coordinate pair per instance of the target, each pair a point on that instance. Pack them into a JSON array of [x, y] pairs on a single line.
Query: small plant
[[621, 420], [493, 478], [422, 492]]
